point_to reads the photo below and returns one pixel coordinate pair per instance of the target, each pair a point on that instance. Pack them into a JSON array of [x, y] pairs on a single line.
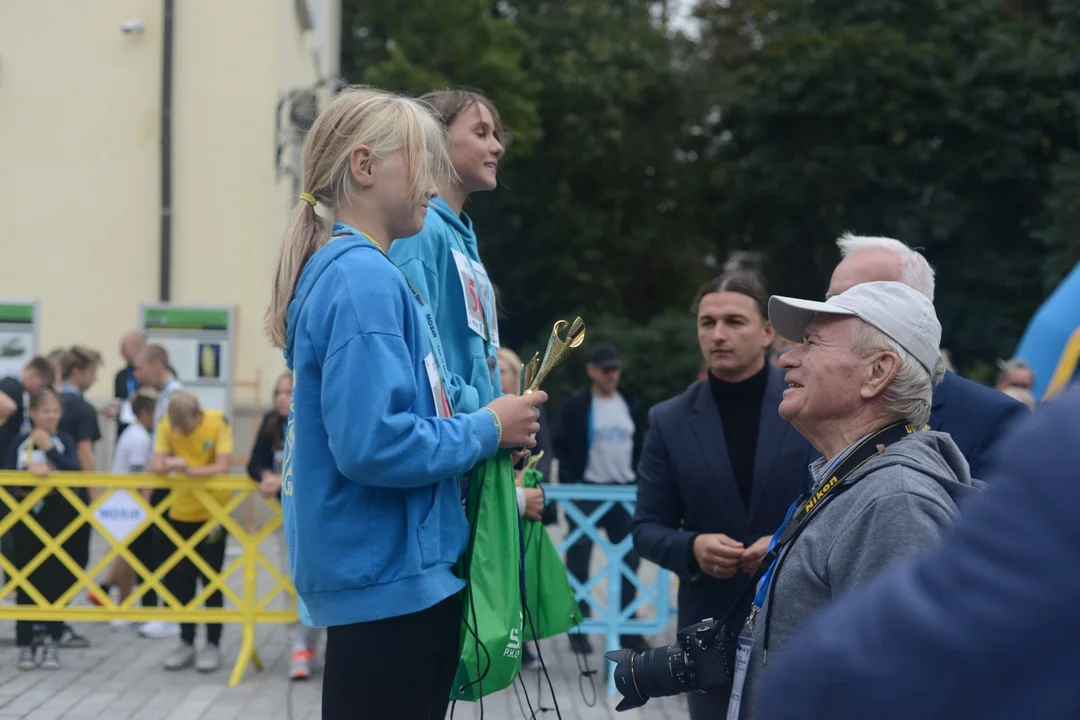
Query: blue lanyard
[[341, 229], [763, 586], [810, 503], [131, 383]]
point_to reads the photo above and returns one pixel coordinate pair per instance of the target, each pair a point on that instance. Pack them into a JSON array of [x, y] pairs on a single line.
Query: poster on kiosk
[[200, 342], [19, 320]]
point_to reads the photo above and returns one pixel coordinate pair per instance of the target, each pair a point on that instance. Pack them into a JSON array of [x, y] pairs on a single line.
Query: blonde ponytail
[[385, 123], [307, 232]]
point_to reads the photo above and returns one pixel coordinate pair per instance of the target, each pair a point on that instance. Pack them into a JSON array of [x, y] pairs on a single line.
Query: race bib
[[438, 393], [478, 296]]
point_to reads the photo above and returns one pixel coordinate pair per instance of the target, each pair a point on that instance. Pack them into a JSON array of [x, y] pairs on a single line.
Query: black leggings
[[184, 575], [401, 668], [152, 548], [51, 578]]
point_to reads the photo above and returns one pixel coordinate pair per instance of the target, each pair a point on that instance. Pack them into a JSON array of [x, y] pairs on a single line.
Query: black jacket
[[262, 454], [572, 434], [121, 392], [68, 460], [686, 487]]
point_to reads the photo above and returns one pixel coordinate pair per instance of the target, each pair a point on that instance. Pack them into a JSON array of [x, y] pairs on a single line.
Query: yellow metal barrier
[[250, 607]]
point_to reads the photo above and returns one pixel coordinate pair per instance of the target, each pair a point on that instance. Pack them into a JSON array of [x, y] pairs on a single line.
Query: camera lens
[[625, 681], [658, 672]]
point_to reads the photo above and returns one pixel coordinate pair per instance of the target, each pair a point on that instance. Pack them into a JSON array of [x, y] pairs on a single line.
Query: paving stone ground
[[121, 678]]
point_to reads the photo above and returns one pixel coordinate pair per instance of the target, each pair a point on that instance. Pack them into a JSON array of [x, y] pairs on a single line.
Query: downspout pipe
[[165, 259]]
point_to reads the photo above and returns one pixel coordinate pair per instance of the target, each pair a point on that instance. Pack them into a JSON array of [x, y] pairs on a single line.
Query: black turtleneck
[[740, 412]]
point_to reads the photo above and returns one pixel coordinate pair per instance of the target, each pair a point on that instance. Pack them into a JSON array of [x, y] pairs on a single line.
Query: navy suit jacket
[[686, 487], [976, 417]]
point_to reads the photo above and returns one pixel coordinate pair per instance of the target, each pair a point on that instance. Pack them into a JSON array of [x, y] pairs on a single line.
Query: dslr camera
[[702, 658]]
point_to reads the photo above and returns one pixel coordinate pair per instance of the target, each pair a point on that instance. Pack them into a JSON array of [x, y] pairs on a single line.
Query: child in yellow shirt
[[196, 443]]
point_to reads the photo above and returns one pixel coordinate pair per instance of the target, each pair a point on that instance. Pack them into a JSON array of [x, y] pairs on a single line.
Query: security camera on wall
[[133, 26]]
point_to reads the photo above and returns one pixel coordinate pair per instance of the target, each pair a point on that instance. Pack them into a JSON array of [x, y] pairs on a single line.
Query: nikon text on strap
[[813, 501], [807, 506]]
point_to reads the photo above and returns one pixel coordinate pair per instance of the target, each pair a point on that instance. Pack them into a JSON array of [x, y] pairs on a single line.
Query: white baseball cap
[[904, 314]]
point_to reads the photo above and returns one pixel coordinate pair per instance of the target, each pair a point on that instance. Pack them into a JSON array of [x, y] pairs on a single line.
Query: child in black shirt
[[41, 451]]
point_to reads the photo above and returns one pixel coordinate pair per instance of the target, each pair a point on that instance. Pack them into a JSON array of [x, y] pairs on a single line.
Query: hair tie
[[308, 198]]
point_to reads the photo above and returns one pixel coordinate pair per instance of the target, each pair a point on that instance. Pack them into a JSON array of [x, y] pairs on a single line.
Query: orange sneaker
[[300, 665]]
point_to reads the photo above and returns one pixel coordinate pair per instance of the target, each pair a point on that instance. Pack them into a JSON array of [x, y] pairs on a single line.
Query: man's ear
[[883, 368], [770, 334]]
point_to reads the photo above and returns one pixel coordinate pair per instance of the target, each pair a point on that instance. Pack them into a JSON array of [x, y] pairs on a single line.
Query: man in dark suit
[[720, 468], [974, 415]]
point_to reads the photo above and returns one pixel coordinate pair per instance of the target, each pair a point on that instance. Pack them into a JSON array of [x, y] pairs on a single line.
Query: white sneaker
[[180, 657], [50, 659], [158, 630], [208, 659]]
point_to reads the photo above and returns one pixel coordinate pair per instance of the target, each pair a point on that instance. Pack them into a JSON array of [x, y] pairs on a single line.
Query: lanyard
[[131, 384], [811, 503], [163, 402], [341, 229]]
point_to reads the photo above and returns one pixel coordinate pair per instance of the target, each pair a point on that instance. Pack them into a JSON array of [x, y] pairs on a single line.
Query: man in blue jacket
[[974, 415], [720, 468], [983, 626]]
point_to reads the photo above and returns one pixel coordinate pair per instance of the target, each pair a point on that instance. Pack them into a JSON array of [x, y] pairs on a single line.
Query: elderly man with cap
[[859, 388]]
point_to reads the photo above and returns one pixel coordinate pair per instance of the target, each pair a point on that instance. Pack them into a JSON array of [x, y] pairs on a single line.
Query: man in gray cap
[[859, 388]]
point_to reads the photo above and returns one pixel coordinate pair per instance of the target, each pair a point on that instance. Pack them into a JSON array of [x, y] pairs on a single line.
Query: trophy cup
[[528, 372], [558, 348], [565, 337]]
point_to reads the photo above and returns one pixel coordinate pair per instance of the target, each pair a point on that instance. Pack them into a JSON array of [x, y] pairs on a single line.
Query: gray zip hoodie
[[898, 504]]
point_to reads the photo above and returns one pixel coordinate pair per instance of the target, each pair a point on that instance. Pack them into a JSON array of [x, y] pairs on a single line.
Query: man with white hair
[[975, 415], [860, 389], [1015, 373]]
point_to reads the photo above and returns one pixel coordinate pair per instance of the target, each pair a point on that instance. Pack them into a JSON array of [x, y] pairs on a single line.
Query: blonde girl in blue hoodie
[[369, 492], [443, 261]]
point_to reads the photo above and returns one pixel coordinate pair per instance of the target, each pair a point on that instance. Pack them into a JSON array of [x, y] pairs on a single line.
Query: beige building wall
[[79, 164]]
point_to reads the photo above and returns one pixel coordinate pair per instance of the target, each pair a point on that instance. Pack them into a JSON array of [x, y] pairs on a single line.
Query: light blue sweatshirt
[[372, 510], [428, 259]]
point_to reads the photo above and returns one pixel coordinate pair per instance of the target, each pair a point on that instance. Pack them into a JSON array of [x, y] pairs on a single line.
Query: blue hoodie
[[428, 260], [372, 511]]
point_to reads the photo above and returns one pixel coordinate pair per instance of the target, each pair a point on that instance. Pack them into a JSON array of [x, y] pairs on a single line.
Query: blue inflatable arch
[[1051, 342]]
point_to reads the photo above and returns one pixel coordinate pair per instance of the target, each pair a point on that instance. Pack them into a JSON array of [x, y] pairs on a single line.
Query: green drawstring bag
[[491, 567], [550, 606]]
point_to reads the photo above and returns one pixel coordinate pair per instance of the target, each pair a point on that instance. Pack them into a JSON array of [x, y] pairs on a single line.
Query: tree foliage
[[642, 157], [941, 122]]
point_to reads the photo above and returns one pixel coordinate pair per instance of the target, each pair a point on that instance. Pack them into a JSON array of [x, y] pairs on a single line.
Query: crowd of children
[[46, 425]]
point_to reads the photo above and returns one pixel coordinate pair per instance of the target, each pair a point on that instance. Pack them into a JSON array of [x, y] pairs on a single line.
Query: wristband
[[498, 424]]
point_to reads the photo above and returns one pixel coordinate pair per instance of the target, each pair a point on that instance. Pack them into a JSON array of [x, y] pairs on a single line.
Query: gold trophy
[[565, 337], [558, 348]]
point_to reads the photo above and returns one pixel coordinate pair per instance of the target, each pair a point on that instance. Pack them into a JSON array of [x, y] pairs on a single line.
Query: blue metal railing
[[612, 620]]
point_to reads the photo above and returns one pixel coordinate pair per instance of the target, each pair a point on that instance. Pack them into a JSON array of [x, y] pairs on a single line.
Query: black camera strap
[[811, 502]]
